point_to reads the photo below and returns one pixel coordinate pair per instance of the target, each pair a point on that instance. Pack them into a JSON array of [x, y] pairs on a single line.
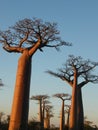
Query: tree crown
[[27, 32], [84, 69]]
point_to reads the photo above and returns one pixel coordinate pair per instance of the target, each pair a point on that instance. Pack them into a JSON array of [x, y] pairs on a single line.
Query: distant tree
[[8, 119], [1, 115], [77, 73], [49, 114], [63, 97], [1, 84], [40, 98], [89, 124], [67, 110], [44, 104], [26, 37]]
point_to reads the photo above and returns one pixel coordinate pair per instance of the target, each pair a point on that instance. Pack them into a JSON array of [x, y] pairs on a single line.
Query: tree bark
[[80, 113], [62, 117], [46, 121], [40, 115], [68, 115], [20, 106], [73, 110]]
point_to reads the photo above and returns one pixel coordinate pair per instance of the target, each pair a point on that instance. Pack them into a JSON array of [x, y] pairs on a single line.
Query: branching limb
[[61, 77], [24, 39], [58, 45]]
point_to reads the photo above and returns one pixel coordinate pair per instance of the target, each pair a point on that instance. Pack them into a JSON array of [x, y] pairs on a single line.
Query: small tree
[[26, 37], [63, 97], [67, 110], [44, 104], [77, 73], [49, 114], [40, 98]]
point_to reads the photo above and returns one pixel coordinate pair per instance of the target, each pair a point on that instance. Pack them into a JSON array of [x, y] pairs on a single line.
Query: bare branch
[[83, 68], [63, 96], [39, 97], [61, 76], [26, 33], [24, 39]]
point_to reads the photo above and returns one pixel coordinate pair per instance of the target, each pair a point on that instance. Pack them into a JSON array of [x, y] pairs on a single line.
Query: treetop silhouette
[[27, 32]]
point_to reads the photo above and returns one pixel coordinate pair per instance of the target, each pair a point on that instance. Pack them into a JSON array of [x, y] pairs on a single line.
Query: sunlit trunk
[[68, 114], [62, 117], [80, 114], [40, 115], [73, 110], [46, 121], [43, 113], [20, 106]]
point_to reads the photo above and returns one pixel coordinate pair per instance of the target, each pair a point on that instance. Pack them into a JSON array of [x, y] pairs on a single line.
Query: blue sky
[[78, 23]]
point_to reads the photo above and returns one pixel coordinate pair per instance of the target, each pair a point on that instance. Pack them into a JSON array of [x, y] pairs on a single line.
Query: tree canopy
[[27, 32]]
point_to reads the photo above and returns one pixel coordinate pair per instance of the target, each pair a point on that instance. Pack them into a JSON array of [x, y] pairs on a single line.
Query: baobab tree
[[67, 110], [44, 104], [77, 73], [40, 98], [63, 97], [48, 115], [26, 37]]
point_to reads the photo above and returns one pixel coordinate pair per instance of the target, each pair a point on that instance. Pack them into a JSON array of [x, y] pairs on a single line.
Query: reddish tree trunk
[[20, 106], [47, 121], [68, 115], [62, 117], [73, 110], [41, 115], [80, 113]]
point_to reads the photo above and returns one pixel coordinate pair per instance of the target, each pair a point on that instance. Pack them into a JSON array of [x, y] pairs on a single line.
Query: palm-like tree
[[63, 97], [26, 37], [77, 73]]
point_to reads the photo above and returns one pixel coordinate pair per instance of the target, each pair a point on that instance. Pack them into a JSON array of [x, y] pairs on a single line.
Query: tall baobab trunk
[[73, 110], [68, 115], [40, 114], [20, 106], [80, 113], [47, 120], [62, 120], [43, 113]]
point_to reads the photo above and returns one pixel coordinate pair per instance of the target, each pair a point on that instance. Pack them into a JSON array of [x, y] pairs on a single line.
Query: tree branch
[[61, 77], [24, 39], [13, 49]]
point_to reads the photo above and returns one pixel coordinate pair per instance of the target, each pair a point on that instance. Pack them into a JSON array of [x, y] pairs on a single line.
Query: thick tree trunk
[[47, 121], [20, 106], [62, 117], [80, 113], [73, 110]]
